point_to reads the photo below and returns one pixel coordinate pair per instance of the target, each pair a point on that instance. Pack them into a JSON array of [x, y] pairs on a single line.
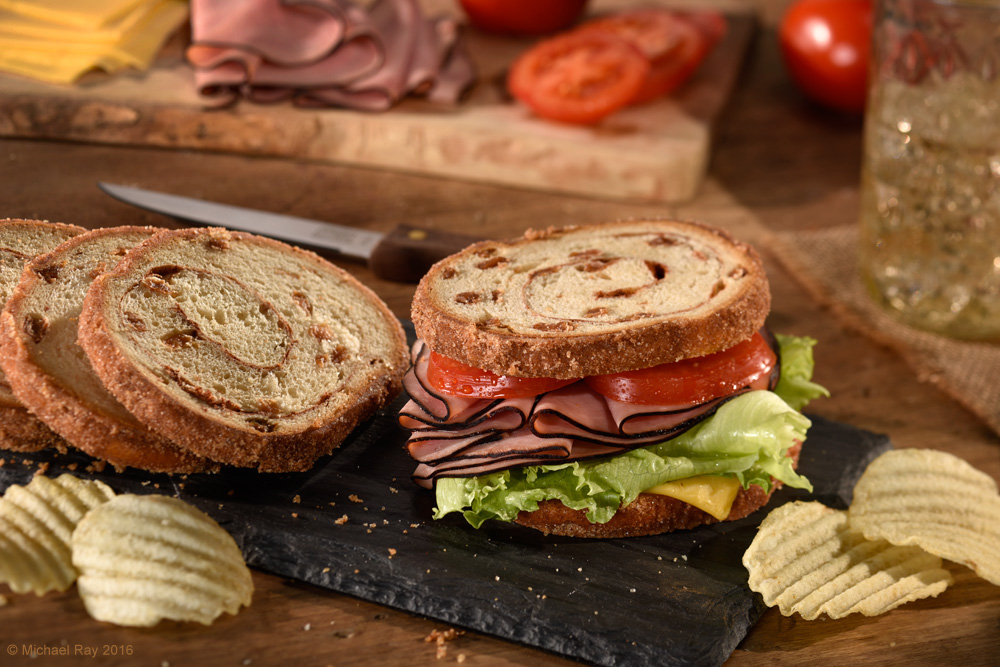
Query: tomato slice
[[712, 24], [455, 378], [652, 31], [691, 381], [673, 42], [667, 74], [578, 77]]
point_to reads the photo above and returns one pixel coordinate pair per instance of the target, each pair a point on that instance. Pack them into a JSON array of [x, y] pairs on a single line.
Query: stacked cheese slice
[[59, 40]]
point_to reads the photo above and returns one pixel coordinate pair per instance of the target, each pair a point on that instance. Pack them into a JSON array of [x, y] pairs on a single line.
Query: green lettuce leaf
[[795, 384], [747, 437]]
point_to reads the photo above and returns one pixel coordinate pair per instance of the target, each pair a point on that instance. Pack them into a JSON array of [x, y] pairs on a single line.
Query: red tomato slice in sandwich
[[578, 77], [690, 381], [673, 44], [455, 378]]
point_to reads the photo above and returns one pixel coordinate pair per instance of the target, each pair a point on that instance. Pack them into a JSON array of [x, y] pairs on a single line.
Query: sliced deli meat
[[460, 436], [326, 53]]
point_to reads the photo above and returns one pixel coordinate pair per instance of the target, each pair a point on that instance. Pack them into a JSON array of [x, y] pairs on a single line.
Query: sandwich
[[604, 381]]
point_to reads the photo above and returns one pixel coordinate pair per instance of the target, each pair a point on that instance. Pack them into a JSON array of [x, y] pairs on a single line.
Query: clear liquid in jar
[[930, 203]]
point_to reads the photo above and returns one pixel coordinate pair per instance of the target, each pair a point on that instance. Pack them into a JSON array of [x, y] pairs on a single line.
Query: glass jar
[[930, 184]]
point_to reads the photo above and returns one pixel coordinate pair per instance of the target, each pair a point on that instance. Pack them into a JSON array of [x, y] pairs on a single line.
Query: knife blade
[[403, 254]]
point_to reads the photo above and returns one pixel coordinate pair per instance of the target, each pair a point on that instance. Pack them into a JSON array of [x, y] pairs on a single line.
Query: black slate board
[[677, 599]]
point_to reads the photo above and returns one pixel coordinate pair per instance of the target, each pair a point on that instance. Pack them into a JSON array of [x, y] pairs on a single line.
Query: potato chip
[[143, 559], [36, 523], [934, 500], [806, 558]]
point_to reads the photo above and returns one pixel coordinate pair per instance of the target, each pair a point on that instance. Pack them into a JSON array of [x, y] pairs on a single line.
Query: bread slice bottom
[[649, 514], [21, 431]]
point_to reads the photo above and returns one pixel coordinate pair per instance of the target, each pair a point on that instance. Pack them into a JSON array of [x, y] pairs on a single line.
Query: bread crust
[[20, 430], [203, 431], [649, 514], [728, 317], [119, 439]]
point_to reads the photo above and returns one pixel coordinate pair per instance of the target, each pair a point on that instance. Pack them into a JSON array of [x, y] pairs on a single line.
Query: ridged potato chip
[[934, 500], [143, 559], [806, 558], [36, 524]]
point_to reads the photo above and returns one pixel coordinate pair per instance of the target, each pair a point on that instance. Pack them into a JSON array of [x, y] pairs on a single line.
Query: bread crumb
[[43, 468], [295, 515], [325, 570], [341, 521], [392, 552], [354, 498], [441, 638], [393, 489], [98, 466], [307, 627], [297, 499], [460, 657]]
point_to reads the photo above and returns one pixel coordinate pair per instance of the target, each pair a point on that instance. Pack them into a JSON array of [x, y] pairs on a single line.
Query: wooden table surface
[[779, 164]]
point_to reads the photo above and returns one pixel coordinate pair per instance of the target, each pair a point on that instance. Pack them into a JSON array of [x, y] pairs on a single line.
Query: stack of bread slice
[[183, 350]]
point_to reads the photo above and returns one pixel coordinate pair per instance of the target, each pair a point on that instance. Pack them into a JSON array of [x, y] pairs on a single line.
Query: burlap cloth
[[825, 262]]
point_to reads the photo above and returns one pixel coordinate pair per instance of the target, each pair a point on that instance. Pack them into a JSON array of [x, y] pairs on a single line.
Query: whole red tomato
[[523, 17], [825, 45]]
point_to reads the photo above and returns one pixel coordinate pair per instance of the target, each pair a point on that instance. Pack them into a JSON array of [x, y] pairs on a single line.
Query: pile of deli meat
[[458, 436], [320, 53]]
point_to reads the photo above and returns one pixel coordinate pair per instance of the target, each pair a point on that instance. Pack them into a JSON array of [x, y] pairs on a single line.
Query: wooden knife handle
[[406, 252]]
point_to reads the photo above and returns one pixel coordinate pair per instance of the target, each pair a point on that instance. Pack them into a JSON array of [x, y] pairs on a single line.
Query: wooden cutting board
[[657, 152]]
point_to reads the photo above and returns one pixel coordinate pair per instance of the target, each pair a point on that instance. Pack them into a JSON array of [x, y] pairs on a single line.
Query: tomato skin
[[578, 77], [523, 17], [690, 381], [453, 377], [825, 46]]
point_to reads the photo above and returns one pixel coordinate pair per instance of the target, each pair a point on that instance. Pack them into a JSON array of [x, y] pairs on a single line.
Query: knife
[[403, 254]]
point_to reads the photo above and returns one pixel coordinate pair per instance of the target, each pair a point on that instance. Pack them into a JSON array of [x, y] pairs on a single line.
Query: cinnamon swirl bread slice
[[48, 370], [20, 241], [589, 300], [240, 348]]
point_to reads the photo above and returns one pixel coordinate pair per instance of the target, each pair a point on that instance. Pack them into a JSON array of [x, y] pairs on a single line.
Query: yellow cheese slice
[[64, 60], [711, 493], [87, 14], [54, 67], [12, 23]]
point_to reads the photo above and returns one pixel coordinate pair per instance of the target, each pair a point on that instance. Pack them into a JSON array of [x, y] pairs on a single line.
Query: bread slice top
[[241, 348], [20, 242], [588, 300], [49, 371]]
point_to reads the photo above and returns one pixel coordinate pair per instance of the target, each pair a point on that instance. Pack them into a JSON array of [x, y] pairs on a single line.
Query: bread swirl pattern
[[240, 348], [50, 373], [588, 300], [20, 241]]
